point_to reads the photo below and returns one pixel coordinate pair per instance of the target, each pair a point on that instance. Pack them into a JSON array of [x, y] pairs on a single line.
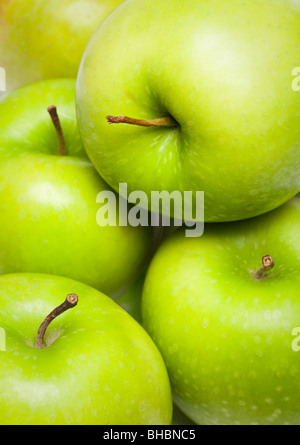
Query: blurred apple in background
[[42, 39]]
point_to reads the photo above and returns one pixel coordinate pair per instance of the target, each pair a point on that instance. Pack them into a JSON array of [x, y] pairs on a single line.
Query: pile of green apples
[[118, 325]]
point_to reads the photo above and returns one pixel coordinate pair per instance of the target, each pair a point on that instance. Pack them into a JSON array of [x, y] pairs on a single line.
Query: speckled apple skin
[[99, 366], [226, 338], [223, 70], [48, 203]]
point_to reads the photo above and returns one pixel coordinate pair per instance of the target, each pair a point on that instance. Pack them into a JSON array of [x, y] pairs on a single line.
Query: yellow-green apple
[[207, 86], [94, 364], [48, 211], [226, 324], [42, 39]]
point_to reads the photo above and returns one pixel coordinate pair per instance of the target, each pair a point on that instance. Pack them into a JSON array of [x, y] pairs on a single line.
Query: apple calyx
[[70, 302], [52, 110], [160, 122], [267, 265]]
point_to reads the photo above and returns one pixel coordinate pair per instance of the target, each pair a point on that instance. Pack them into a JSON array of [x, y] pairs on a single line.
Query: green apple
[[225, 325], [216, 77], [97, 366], [42, 39], [48, 205]]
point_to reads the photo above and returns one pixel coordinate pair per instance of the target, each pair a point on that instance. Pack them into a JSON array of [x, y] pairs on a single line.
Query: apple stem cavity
[[267, 265], [70, 302], [52, 110], [160, 122]]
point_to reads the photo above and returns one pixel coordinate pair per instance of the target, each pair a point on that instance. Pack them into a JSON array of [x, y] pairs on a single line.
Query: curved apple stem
[[52, 110], [160, 122], [70, 302], [267, 264]]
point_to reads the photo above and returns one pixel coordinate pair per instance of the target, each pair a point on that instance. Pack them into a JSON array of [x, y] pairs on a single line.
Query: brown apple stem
[[70, 302], [160, 122], [52, 110], [267, 265]]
